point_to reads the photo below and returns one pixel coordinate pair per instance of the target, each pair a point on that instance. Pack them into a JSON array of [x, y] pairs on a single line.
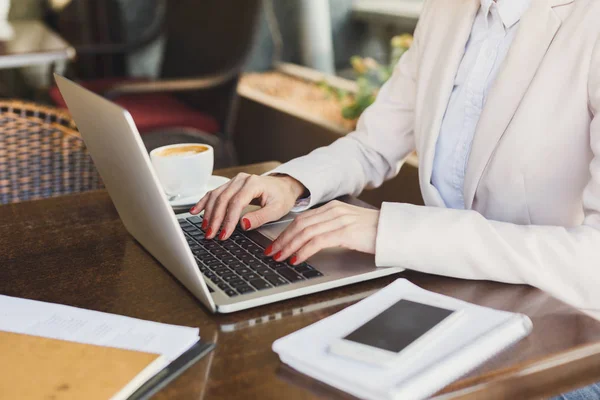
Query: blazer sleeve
[[373, 153], [563, 261]]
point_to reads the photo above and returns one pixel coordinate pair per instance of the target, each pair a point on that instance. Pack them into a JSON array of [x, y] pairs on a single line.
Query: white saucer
[[213, 183]]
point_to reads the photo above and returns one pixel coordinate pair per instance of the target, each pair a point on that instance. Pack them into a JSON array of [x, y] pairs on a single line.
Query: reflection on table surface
[[342, 301]]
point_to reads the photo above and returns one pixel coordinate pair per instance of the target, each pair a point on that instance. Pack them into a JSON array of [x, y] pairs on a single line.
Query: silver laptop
[[225, 276]]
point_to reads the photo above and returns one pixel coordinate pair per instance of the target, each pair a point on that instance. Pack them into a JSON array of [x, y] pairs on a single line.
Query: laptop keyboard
[[238, 265]]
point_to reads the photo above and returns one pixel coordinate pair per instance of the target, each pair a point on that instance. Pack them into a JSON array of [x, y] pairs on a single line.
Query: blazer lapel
[[456, 29], [537, 28]]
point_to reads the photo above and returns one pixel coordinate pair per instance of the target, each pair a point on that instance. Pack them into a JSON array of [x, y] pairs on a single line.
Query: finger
[[326, 240], [209, 207], [301, 222], [220, 205], [309, 233], [270, 212], [199, 206], [237, 203]]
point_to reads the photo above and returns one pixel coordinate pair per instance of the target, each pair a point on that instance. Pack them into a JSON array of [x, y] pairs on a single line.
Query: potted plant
[[290, 111]]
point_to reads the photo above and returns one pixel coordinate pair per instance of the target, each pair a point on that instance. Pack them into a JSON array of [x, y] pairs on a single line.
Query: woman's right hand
[[223, 206]]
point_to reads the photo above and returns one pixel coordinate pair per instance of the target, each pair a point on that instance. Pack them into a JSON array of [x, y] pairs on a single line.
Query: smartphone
[[397, 334]]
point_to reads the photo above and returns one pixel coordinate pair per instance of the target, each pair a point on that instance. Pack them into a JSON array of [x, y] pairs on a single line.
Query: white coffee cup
[[183, 169]]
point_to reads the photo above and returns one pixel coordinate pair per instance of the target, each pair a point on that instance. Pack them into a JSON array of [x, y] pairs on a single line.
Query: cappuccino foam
[[189, 150]]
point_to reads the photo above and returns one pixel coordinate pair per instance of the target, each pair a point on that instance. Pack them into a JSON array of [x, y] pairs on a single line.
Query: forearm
[[463, 244]]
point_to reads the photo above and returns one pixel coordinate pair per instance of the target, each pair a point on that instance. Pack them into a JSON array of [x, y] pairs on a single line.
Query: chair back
[[41, 154], [104, 32], [206, 37]]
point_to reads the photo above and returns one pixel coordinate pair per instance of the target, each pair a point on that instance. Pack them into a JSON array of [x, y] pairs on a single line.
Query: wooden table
[[74, 250]]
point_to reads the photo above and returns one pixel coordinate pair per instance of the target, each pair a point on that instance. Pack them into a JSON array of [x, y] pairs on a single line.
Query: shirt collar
[[510, 11]]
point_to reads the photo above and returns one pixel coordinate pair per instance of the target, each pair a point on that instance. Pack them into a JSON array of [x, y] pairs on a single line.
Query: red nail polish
[[246, 223], [209, 232], [204, 224], [269, 250], [293, 260], [192, 209], [222, 234], [277, 256]]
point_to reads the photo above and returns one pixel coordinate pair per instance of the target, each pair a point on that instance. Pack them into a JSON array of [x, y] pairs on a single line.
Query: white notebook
[[481, 333]]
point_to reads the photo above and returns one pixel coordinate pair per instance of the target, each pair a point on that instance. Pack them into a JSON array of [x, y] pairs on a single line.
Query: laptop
[[226, 276]]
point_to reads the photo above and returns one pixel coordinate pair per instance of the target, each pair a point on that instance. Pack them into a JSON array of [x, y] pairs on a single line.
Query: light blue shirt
[[493, 31]]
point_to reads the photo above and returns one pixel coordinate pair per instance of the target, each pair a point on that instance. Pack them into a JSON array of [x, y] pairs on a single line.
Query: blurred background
[[258, 79]]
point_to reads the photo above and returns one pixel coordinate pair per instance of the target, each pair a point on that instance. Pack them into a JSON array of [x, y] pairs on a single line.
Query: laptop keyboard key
[[209, 274], [223, 286], [275, 280], [230, 245], [231, 292], [229, 260], [237, 251], [312, 274], [208, 259], [219, 252], [244, 289], [302, 269], [263, 270], [236, 282], [236, 264], [216, 279], [260, 284], [276, 265], [290, 275], [222, 271], [243, 271], [236, 236], [195, 219], [244, 243], [250, 276], [216, 264], [229, 277]]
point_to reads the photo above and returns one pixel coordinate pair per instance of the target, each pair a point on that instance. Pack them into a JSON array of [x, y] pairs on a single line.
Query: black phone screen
[[399, 325]]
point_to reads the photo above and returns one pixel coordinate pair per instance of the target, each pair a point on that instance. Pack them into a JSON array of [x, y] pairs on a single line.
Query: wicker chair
[[41, 154]]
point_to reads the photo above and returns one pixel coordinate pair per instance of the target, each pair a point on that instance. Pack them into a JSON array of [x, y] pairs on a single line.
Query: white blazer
[[532, 185]]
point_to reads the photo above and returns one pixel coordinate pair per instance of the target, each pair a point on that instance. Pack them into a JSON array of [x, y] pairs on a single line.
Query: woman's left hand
[[335, 224]]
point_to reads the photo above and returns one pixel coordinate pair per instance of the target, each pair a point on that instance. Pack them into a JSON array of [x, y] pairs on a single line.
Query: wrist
[[297, 189]]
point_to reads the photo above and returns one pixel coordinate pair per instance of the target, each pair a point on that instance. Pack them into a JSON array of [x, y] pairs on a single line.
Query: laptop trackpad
[[273, 229]]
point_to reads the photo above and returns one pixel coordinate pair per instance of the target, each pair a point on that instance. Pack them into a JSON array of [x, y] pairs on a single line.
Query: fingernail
[[269, 250], [277, 256], [204, 224], [209, 232], [293, 260], [246, 223], [192, 209], [222, 234]]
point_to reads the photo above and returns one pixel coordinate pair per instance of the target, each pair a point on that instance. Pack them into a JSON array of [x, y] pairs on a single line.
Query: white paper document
[[481, 333], [58, 321]]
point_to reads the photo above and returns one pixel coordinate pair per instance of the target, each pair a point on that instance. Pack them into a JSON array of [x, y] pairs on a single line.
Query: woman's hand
[[223, 206], [336, 224]]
